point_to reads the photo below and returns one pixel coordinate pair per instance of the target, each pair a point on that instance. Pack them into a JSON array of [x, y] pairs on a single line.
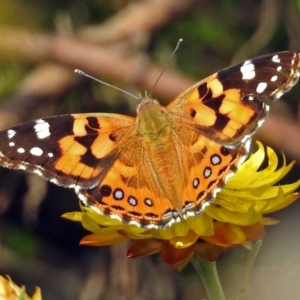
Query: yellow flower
[[235, 217], [10, 291]]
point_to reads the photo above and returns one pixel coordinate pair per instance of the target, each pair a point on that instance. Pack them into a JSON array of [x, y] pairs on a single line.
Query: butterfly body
[[167, 163], [156, 130]]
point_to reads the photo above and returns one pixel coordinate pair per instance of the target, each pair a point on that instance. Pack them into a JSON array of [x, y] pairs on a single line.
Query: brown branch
[[72, 53], [137, 18], [97, 60], [134, 20]]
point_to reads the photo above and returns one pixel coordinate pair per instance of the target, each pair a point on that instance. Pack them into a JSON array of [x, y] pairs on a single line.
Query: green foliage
[[21, 241]]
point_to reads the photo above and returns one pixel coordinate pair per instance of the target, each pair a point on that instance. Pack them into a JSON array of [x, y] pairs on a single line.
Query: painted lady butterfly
[[165, 164]]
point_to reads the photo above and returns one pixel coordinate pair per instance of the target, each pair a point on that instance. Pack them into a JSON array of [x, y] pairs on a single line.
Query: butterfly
[[167, 163]]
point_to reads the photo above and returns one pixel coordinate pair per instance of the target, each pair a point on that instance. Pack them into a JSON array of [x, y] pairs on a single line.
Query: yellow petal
[[268, 221], [107, 236], [73, 216], [201, 224], [233, 203], [241, 178], [102, 219], [89, 224], [280, 202], [258, 194], [268, 176], [37, 294], [223, 215], [177, 229], [136, 235], [184, 241]]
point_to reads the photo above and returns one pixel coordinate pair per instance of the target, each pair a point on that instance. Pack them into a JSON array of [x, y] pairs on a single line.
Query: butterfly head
[[146, 101]]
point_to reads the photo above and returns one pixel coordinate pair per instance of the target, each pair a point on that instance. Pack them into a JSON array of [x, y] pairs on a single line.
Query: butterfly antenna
[[166, 66], [105, 83]]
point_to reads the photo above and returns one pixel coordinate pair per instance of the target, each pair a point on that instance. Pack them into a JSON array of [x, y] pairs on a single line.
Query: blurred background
[[127, 43]]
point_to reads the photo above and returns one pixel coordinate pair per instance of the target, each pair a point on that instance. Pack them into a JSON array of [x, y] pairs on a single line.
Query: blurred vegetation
[[37, 247]]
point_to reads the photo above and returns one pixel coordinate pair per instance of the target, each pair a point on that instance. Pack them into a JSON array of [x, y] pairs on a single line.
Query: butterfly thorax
[[152, 121], [156, 133]]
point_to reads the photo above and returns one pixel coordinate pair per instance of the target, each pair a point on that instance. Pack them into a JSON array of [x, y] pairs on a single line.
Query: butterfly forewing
[[70, 150], [265, 76], [229, 105]]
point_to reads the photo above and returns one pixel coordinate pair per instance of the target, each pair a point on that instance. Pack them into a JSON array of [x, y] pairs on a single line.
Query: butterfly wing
[[215, 118], [229, 106], [69, 150], [205, 166], [130, 190]]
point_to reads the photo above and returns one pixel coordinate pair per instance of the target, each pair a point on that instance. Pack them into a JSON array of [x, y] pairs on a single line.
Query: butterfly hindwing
[[130, 196], [205, 168], [133, 191]]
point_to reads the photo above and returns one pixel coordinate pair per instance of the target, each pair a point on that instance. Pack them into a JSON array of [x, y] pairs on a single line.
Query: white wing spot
[[119, 194], [54, 180], [132, 201], [279, 68], [42, 129], [207, 172], [50, 154], [196, 183], [248, 70], [23, 167], [11, 133], [148, 202], [261, 87], [274, 78], [38, 172], [20, 150], [215, 159], [36, 151], [11, 144], [276, 59]]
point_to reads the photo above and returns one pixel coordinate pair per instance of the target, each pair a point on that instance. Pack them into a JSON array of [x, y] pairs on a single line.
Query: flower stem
[[209, 276], [248, 267]]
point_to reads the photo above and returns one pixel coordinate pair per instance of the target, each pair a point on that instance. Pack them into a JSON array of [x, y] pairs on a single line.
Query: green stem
[[209, 276], [248, 267]]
